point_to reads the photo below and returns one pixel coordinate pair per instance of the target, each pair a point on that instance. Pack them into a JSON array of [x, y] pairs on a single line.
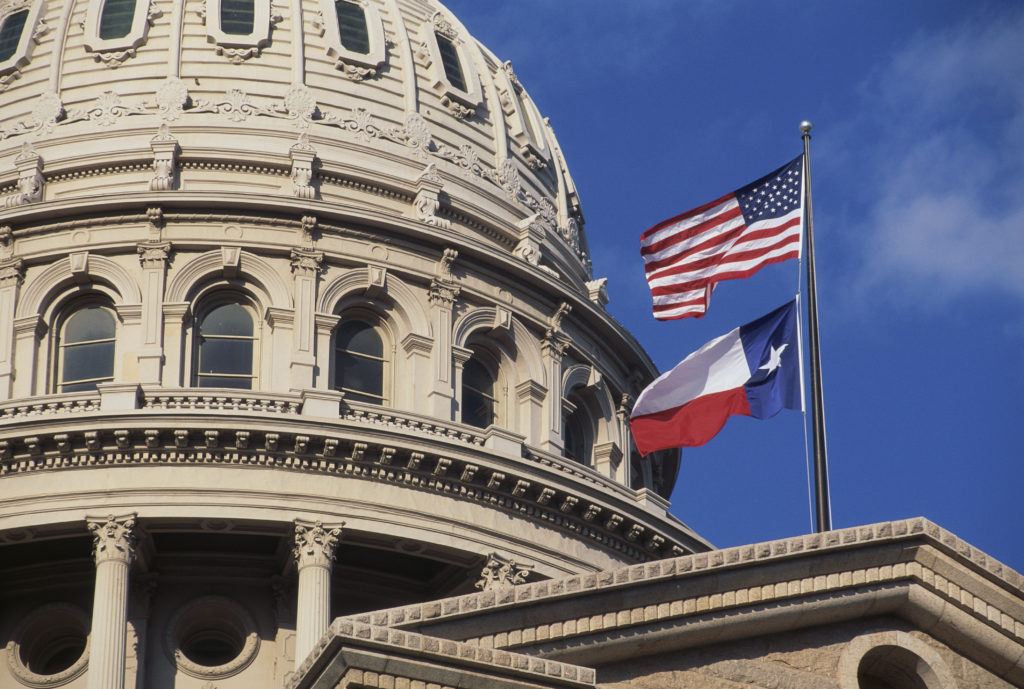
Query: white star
[[775, 358]]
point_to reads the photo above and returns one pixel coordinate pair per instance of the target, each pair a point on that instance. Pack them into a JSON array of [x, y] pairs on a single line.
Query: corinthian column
[[314, 555], [113, 550]]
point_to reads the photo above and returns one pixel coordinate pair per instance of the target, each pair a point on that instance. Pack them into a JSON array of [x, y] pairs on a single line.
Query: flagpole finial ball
[[805, 127]]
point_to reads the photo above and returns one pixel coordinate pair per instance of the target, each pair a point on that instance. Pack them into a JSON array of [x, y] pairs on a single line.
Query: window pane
[[244, 383], [450, 60], [477, 410], [89, 323], [225, 356], [352, 27], [475, 375], [577, 447], [357, 336], [237, 16], [10, 34], [228, 319], [359, 373], [477, 395], [116, 18], [88, 362]]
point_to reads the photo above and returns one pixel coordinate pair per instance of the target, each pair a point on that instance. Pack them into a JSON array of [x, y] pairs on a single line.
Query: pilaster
[[306, 266], [28, 331], [12, 274], [444, 290], [153, 257]]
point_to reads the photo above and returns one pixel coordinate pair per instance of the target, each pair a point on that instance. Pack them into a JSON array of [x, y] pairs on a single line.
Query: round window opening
[[212, 647], [55, 653], [51, 646], [212, 636]]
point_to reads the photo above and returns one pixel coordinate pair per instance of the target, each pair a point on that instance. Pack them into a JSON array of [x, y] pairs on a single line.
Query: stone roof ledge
[[362, 655], [910, 568]]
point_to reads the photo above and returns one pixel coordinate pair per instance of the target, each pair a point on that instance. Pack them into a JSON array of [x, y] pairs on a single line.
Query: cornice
[[420, 453]]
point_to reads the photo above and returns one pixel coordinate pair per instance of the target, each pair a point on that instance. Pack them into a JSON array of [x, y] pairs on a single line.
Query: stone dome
[[296, 321], [454, 136]]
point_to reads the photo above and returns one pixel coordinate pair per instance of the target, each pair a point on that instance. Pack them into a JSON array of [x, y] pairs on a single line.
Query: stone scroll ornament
[[500, 572]]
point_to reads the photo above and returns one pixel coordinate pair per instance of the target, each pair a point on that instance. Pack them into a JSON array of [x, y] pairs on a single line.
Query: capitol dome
[[298, 321]]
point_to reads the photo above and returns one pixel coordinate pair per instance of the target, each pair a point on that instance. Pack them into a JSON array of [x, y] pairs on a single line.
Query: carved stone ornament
[[300, 102], [307, 261], [302, 155], [500, 572], [46, 111], [171, 99], [315, 543], [427, 202], [30, 177], [165, 160], [443, 26], [153, 254], [113, 538]]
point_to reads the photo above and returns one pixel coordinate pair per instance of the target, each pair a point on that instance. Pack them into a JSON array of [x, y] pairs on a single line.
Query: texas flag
[[753, 371]]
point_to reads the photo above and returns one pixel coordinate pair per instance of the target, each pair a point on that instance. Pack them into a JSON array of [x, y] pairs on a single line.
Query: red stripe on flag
[[690, 425], [683, 216]]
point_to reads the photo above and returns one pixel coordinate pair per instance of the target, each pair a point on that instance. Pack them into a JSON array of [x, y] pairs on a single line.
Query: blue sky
[[918, 178]]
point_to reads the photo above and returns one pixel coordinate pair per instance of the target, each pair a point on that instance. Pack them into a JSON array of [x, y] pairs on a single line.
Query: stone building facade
[[298, 324]]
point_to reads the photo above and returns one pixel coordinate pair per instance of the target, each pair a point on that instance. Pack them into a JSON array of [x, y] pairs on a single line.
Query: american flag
[[731, 237]]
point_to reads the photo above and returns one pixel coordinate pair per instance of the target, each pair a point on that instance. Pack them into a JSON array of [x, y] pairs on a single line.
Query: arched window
[[359, 362], [479, 399], [11, 28], [352, 28], [577, 432], [225, 347], [116, 18], [86, 348], [237, 17], [450, 62]]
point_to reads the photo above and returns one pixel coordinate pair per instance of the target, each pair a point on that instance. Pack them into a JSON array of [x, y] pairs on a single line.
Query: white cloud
[[945, 165]]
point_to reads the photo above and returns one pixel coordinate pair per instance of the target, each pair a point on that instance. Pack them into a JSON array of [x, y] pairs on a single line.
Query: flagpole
[[822, 512]]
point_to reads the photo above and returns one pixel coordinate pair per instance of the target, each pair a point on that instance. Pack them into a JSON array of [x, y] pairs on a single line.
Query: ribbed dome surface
[[288, 110]]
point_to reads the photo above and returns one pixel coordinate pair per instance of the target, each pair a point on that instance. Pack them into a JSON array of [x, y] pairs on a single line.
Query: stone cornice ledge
[[349, 653], [910, 568]]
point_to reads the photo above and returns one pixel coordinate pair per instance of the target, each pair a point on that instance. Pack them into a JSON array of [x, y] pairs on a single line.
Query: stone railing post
[[113, 550], [314, 556]]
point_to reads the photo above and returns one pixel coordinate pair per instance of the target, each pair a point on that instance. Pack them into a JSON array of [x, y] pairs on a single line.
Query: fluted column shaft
[[314, 556], [114, 548]]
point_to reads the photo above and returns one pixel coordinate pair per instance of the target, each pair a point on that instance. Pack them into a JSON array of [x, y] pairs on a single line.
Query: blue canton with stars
[[774, 195]]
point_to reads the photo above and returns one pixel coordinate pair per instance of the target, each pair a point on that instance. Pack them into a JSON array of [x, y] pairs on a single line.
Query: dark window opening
[[478, 400], [359, 362], [237, 17], [87, 349], [352, 27], [10, 33], [226, 345], [450, 61], [116, 18]]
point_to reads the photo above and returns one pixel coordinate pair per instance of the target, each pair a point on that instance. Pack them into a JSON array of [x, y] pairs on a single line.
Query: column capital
[[315, 543], [114, 538], [153, 254], [12, 272]]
